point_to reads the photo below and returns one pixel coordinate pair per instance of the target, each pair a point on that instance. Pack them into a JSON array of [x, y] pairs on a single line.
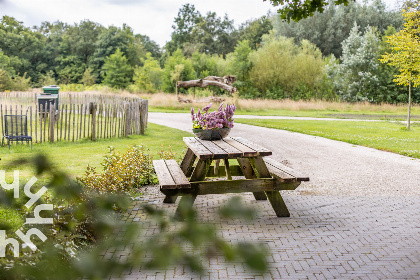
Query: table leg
[[170, 199], [200, 170], [187, 162], [216, 167], [187, 202], [277, 203], [227, 169], [258, 173], [274, 197], [249, 174]]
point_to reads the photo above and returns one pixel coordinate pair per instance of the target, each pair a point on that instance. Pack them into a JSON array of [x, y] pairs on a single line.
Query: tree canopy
[[300, 9]]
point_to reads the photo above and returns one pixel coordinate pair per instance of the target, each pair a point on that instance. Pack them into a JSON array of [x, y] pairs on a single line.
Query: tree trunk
[[409, 103], [176, 89]]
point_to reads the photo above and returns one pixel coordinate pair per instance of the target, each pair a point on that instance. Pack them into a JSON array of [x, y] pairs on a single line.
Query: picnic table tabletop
[[227, 148]]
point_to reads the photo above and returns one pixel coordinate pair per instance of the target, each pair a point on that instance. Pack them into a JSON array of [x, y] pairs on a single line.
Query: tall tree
[[357, 77], [150, 46], [405, 46], [188, 17], [82, 38], [209, 34], [253, 30], [117, 71], [407, 4], [22, 44], [241, 67], [112, 39], [214, 35]]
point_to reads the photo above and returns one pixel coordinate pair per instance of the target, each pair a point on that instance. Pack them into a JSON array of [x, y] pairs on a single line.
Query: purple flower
[[221, 107], [206, 108], [213, 120]]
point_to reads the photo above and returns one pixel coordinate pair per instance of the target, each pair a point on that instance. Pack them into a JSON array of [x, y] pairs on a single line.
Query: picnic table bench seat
[[283, 172], [170, 175]]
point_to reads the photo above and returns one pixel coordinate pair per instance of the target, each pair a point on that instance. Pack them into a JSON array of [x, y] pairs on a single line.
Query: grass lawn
[[73, 157], [387, 136]]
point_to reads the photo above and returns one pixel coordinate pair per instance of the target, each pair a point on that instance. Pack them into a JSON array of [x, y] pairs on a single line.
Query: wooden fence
[[29, 98], [90, 120]]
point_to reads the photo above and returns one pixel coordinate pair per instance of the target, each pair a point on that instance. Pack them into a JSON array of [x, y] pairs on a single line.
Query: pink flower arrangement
[[213, 120]]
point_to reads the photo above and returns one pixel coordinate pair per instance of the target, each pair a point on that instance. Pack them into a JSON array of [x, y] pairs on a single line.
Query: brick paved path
[[326, 237], [358, 218]]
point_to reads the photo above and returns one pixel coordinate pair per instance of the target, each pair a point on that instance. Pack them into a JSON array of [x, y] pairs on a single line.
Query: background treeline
[[330, 56]]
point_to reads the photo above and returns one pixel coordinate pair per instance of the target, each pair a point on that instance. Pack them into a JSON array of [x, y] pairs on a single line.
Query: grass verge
[[386, 136]]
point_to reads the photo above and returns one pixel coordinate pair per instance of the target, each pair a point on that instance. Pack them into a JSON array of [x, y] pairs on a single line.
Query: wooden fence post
[[127, 119], [92, 109], [51, 122], [2, 122], [143, 116]]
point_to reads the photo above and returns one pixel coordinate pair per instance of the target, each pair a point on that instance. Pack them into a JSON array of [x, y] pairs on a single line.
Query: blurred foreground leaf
[[89, 227]]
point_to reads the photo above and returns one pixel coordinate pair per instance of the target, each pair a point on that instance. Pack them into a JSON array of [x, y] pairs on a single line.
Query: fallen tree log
[[205, 83], [228, 79]]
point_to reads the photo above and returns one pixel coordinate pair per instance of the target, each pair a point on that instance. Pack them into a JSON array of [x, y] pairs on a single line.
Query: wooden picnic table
[[259, 174]]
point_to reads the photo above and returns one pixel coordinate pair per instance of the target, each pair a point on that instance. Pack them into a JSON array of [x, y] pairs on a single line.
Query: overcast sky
[[149, 17]]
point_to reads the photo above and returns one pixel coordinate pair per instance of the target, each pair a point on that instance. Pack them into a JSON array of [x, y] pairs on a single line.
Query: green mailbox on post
[[50, 95], [52, 89], [45, 100]]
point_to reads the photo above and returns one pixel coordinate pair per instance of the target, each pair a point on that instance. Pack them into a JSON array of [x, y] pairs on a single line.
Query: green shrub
[[21, 83], [122, 172], [47, 79], [133, 89], [88, 78], [170, 154], [5, 80], [148, 77], [173, 69]]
